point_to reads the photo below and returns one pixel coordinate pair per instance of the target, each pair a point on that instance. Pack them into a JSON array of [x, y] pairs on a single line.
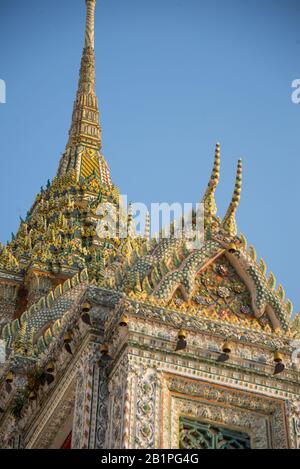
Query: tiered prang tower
[[136, 342]]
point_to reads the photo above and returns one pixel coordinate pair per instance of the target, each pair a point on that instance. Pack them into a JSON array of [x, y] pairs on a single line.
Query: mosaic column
[[90, 413], [134, 401]]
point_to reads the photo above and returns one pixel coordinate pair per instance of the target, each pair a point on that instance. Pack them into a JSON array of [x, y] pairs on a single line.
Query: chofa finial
[[229, 222], [210, 208]]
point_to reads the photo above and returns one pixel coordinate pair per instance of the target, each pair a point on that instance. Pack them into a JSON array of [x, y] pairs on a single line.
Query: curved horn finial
[[229, 222], [210, 208]]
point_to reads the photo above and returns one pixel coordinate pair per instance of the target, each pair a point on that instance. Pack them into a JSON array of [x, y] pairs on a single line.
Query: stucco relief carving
[[102, 410], [116, 387], [293, 418], [157, 400], [262, 418]]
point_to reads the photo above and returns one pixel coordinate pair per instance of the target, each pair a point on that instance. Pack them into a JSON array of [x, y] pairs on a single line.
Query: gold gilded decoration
[[210, 208], [191, 332], [89, 164], [229, 222]]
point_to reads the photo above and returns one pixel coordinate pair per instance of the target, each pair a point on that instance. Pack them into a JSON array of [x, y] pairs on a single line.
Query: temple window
[[200, 435]]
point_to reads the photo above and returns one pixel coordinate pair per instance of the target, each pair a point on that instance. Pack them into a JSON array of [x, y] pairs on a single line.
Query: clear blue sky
[[173, 78]]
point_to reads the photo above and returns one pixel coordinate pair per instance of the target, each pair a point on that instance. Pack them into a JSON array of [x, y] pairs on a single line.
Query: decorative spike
[[84, 276], [272, 281], [41, 303], [172, 228], [229, 222], [153, 242], [252, 253], [134, 256], [147, 227], [210, 208], [137, 286], [67, 285], [48, 336], [41, 346], [20, 343], [185, 250], [243, 241], [127, 249], [146, 285], [145, 248], [162, 234], [164, 269], [176, 260], [155, 277], [50, 299], [262, 265], [56, 327], [24, 317], [31, 310], [130, 222], [289, 307], [280, 292], [75, 280], [127, 265], [6, 332], [15, 326], [58, 291], [118, 277]]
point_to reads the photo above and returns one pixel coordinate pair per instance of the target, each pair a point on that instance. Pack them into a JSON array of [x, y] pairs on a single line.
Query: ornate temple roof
[[56, 255], [68, 291]]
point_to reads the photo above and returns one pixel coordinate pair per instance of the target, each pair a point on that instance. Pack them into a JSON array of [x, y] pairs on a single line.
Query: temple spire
[[83, 150], [229, 222], [85, 127]]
